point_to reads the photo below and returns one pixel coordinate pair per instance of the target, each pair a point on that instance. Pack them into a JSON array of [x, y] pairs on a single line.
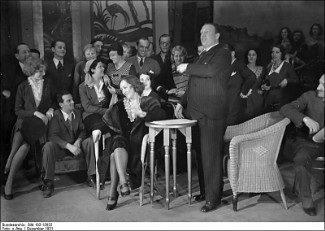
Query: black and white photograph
[[162, 115]]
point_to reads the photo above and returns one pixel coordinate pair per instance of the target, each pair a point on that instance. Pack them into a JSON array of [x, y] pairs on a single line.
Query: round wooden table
[[169, 128]]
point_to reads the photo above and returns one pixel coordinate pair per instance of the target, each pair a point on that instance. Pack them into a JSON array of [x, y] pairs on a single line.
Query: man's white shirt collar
[[207, 49], [66, 116], [21, 65], [139, 58], [56, 61]]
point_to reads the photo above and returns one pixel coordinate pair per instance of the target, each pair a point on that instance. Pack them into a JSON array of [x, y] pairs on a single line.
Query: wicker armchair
[[253, 150]]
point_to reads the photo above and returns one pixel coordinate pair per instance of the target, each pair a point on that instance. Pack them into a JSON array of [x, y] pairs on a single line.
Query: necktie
[[202, 54], [141, 62], [60, 66], [69, 120]]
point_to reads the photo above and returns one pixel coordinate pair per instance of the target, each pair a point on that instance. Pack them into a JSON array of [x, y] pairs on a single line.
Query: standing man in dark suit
[[164, 80], [66, 137], [11, 76], [59, 70], [240, 81], [206, 102]]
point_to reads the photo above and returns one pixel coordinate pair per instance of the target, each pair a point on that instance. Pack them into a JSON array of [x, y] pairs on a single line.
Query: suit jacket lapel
[[65, 123], [75, 123], [206, 56], [31, 95]]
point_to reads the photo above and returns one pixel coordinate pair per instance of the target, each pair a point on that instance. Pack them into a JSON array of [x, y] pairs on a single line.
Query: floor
[[73, 201]]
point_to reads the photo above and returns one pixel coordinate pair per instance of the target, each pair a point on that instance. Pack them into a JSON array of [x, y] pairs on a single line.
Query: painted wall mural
[[57, 24], [121, 21]]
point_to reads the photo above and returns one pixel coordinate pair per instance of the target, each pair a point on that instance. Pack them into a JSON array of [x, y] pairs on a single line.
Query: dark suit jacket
[[60, 80], [240, 80], [207, 90], [25, 103], [89, 100], [165, 78], [59, 129], [12, 77], [148, 64]]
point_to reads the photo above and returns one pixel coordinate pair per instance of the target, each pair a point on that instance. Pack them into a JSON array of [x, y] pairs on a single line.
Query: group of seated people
[[67, 131], [68, 107]]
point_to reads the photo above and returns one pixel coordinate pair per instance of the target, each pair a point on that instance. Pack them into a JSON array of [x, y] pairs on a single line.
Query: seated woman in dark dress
[[34, 109], [126, 120]]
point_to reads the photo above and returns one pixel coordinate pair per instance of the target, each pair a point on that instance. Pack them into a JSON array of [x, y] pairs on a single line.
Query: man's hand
[[77, 143], [179, 93], [179, 111], [311, 124], [172, 91], [283, 83], [74, 149], [181, 68], [6, 93], [49, 113], [265, 87]]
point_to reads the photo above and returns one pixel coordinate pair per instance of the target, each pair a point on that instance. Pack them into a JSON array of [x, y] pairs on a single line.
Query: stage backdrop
[[257, 23], [121, 21], [57, 24]]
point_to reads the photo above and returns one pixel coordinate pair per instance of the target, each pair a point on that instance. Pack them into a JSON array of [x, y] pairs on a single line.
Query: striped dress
[[181, 81]]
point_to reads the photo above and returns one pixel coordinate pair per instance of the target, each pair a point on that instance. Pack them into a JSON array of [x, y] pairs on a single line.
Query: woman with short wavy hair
[[178, 56], [34, 109]]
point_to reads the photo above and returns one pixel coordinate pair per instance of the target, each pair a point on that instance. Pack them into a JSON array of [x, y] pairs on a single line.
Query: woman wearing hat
[[34, 109], [94, 98]]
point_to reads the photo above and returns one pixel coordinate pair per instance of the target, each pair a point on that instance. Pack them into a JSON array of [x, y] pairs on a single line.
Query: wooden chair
[[96, 146], [253, 150]]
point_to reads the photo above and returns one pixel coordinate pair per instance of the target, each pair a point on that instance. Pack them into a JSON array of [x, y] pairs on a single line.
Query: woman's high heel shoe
[[112, 206], [127, 192], [8, 196]]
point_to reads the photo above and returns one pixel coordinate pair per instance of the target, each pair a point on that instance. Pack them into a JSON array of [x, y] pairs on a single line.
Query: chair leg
[[234, 202], [97, 172], [141, 189], [283, 199]]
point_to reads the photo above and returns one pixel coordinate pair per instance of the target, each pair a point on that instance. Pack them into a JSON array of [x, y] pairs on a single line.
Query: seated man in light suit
[[307, 111], [66, 137]]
